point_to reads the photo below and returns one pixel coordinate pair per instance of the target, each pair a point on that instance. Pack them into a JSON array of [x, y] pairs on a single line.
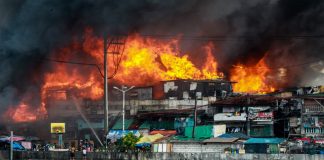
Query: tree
[[127, 142]]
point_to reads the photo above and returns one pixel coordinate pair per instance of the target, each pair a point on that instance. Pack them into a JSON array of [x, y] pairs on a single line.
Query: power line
[[116, 46], [232, 38], [300, 64], [110, 77], [116, 61], [81, 63], [288, 66]]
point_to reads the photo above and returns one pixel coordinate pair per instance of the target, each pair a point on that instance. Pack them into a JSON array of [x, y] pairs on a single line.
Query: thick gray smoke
[[31, 29]]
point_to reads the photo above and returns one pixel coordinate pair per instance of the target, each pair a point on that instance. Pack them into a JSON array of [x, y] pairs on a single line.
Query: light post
[[124, 90]]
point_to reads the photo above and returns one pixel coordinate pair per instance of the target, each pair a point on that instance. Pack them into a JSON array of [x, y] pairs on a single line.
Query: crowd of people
[[85, 146]]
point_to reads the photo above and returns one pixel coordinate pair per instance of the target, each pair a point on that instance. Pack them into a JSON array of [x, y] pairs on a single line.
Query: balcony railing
[[313, 109], [314, 130]]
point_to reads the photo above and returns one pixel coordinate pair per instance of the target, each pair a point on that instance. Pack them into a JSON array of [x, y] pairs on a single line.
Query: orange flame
[[21, 113], [88, 85], [145, 61], [210, 67], [252, 79], [149, 61]]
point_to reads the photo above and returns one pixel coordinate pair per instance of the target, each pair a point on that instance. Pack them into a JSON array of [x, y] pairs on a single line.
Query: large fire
[[148, 61], [145, 61], [251, 79]]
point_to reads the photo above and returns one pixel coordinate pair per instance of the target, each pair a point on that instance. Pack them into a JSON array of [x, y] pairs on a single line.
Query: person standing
[[84, 152], [72, 153]]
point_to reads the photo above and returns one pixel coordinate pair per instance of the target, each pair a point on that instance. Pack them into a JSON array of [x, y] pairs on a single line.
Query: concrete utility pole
[[195, 116], [248, 125], [106, 125], [115, 47], [124, 90], [11, 145]]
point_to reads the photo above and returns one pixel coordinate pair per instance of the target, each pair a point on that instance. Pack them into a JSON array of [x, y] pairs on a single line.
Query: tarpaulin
[[150, 138], [164, 132], [200, 131], [116, 134], [14, 138]]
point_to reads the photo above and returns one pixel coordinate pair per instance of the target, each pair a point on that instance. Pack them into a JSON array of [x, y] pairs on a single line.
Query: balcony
[[314, 130], [310, 109]]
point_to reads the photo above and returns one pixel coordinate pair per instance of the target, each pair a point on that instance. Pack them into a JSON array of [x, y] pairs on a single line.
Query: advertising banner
[[57, 128]]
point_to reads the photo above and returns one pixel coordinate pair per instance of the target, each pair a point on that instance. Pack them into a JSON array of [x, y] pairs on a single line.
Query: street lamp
[[124, 90]]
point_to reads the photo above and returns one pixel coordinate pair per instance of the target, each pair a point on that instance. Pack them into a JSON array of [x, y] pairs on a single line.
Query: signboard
[[265, 115], [319, 141], [219, 130], [27, 145], [260, 115], [57, 127], [257, 109]]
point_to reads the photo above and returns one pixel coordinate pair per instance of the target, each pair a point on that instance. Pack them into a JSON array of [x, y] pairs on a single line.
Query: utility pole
[[195, 116], [115, 46], [106, 125], [248, 125], [11, 145], [124, 90]]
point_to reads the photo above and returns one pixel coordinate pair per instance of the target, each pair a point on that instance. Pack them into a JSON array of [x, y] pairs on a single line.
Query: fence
[[30, 155]]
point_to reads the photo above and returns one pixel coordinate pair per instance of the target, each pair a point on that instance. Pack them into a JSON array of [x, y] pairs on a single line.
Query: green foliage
[[127, 142]]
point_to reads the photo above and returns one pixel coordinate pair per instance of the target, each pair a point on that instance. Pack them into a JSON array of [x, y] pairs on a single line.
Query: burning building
[[52, 55]]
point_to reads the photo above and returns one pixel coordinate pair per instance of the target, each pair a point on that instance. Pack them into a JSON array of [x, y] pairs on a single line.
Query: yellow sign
[[57, 127]]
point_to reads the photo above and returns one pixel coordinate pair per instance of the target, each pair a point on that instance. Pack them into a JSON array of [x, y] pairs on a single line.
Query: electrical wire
[[76, 63], [120, 48], [286, 66], [232, 38], [117, 48]]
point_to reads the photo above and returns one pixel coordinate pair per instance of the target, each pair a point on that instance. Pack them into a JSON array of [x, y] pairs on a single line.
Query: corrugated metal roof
[[119, 123], [234, 135], [264, 141], [183, 139], [220, 140]]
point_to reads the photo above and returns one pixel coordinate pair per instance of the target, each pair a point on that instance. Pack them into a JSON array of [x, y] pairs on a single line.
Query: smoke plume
[[288, 32]]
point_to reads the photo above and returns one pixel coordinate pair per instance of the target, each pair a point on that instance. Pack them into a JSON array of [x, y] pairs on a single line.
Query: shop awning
[[264, 141]]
